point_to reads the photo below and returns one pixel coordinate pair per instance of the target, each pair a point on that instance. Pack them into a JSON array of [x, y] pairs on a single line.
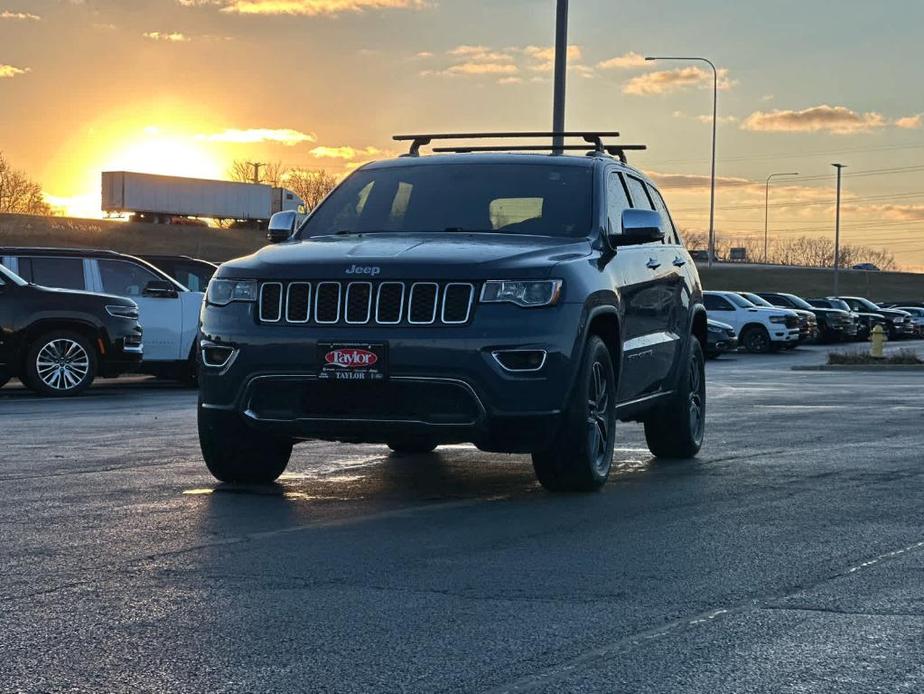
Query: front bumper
[[123, 351], [444, 382], [784, 335]]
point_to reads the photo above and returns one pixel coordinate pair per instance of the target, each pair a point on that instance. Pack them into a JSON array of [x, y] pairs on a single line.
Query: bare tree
[[268, 173], [19, 194], [311, 185]]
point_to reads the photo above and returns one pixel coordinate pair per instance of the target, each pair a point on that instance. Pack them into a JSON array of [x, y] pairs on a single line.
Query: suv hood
[[453, 255], [102, 298]]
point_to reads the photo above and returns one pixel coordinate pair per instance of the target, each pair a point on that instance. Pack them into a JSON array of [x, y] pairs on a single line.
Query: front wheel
[[581, 455], [60, 363], [676, 429], [756, 340], [235, 453]]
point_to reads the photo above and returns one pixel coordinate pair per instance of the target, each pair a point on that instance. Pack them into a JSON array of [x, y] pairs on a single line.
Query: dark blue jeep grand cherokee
[[522, 302]]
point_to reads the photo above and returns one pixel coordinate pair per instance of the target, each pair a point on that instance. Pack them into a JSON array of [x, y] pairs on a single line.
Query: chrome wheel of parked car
[[62, 364]]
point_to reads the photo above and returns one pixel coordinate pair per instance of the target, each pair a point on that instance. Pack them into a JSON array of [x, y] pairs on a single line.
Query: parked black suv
[[522, 302], [834, 324], [57, 340]]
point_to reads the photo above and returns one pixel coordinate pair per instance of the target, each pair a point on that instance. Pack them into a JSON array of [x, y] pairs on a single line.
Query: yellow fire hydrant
[[877, 338]]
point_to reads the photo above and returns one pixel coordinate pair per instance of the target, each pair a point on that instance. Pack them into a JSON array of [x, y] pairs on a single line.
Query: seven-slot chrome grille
[[364, 303]]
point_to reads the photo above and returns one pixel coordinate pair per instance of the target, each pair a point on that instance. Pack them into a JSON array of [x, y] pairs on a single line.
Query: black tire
[[60, 364], [712, 354], [189, 372], [412, 446], [756, 340], [234, 452], [580, 457], [676, 429], [4, 380]]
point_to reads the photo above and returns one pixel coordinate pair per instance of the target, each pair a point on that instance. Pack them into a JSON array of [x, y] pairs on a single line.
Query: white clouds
[[284, 136], [507, 65], [10, 71], [305, 8], [171, 37], [20, 16], [626, 61], [667, 81], [838, 120]]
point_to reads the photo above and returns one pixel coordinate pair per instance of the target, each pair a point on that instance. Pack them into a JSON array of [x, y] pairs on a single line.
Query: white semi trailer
[[171, 199]]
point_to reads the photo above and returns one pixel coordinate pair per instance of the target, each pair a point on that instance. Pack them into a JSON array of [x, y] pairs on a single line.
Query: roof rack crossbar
[[418, 141], [618, 151]]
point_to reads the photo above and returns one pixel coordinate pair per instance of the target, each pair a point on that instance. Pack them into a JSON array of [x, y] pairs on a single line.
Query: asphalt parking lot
[[787, 558]]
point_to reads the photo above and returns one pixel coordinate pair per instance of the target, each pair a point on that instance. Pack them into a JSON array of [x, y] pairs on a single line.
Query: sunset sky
[[186, 86]]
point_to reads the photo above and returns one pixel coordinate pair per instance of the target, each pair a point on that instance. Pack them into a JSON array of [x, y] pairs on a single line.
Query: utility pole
[[837, 229], [256, 170], [715, 114], [561, 72], [767, 208]]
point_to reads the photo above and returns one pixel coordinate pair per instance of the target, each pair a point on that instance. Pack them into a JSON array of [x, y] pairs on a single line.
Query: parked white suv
[[759, 329], [168, 311]]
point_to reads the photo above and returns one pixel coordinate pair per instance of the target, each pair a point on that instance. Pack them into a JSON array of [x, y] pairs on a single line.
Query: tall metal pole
[[767, 208], [837, 229], [561, 72], [715, 119]]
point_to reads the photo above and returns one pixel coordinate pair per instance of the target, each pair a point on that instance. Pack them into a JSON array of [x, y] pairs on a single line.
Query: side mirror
[[159, 289], [638, 226], [281, 226]]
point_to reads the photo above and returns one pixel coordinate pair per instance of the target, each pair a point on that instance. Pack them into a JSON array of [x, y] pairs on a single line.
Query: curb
[[860, 367]]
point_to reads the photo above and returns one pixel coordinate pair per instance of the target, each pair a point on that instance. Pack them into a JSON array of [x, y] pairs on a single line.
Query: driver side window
[[716, 303], [617, 201]]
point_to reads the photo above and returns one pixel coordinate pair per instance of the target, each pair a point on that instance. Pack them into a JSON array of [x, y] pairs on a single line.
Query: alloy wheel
[[62, 364], [598, 428], [697, 401]]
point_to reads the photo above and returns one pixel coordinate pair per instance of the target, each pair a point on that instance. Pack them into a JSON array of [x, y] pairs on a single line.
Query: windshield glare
[[538, 199], [7, 274], [799, 301], [757, 300], [739, 301]]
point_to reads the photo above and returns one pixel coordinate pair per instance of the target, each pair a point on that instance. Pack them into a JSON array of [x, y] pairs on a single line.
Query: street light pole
[[561, 72], [767, 208], [837, 229], [715, 110]]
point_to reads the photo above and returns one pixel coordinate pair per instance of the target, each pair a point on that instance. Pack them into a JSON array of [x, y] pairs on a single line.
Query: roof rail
[[618, 151], [417, 141]]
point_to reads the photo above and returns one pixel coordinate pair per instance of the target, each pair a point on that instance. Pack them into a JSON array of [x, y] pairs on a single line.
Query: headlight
[[898, 319], [526, 293], [120, 311], [777, 319], [223, 292]]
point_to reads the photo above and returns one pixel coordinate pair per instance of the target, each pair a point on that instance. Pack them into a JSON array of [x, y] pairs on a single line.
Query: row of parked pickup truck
[[762, 322]]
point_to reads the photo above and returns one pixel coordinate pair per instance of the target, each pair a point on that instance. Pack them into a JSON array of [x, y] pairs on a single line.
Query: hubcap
[[598, 425], [697, 404], [62, 364]]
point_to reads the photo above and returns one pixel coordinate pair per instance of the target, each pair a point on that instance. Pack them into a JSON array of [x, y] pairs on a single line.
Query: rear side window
[[640, 199], [123, 278], [616, 200], [670, 231], [63, 273]]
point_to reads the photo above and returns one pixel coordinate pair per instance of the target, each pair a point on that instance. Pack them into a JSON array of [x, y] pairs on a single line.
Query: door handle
[[679, 262], [652, 264]]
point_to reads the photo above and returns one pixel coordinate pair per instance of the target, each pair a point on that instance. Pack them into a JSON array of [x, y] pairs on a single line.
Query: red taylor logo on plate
[[351, 357]]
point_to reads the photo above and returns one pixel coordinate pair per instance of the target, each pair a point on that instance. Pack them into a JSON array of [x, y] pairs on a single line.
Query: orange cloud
[[626, 61], [172, 37], [346, 152], [6, 14], [909, 122], [838, 120], [8, 71], [284, 136], [666, 81], [308, 8]]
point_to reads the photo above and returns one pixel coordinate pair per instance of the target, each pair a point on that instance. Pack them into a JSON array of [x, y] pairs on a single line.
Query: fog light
[[216, 356], [520, 359]]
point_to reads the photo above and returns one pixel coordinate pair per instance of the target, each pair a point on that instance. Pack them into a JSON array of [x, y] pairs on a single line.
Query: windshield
[[839, 303], [865, 305], [544, 200], [798, 301], [7, 274], [739, 301], [756, 300]]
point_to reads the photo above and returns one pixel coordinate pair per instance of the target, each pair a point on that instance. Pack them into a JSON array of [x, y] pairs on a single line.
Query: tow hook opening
[[520, 360]]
